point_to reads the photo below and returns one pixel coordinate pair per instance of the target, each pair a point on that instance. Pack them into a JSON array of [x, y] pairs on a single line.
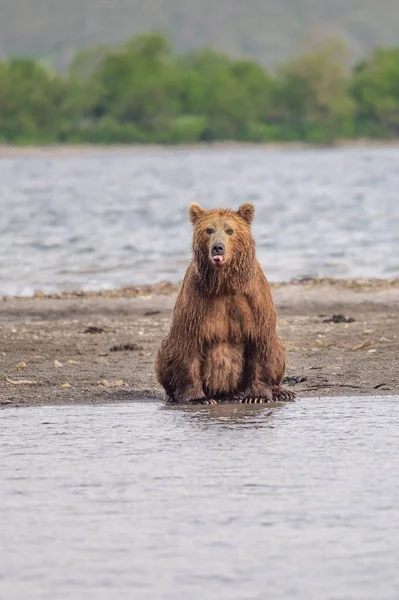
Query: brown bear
[[223, 343]]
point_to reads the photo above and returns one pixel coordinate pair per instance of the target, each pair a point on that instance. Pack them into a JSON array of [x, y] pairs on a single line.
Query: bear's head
[[222, 239]]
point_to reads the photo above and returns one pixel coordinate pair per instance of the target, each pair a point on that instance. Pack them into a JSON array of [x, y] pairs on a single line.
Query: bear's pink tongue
[[218, 259]]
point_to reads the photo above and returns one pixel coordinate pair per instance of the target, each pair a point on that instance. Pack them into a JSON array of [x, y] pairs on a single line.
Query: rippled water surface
[[120, 218], [299, 502]]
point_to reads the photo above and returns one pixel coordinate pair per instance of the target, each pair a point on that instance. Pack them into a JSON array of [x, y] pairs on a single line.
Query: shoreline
[[68, 149], [166, 288], [341, 339]]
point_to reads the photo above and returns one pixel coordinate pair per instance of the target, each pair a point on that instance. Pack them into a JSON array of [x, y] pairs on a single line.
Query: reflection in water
[[230, 414]]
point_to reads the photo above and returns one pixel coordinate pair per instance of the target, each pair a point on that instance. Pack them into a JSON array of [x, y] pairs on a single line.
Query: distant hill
[[267, 30]]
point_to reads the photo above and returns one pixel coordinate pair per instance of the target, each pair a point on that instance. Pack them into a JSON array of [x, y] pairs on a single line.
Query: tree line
[[143, 92]]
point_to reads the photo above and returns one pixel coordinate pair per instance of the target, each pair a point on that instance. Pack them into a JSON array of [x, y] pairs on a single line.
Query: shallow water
[[145, 501], [119, 218]]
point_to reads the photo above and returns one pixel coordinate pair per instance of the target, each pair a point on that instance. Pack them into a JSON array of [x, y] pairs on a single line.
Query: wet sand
[[51, 150], [100, 347]]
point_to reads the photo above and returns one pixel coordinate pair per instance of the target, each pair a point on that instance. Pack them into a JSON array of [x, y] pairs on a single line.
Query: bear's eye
[[209, 231], [229, 231]]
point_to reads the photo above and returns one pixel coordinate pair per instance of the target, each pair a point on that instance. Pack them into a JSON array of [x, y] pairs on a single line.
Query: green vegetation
[[142, 92]]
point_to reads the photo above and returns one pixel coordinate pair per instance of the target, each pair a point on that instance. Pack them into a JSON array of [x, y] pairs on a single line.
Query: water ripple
[[121, 217], [228, 502]]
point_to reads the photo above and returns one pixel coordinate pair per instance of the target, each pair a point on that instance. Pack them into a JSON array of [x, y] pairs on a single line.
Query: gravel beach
[[341, 339]]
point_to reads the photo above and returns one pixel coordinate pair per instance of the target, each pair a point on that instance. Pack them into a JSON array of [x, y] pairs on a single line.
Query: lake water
[[298, 501], [119, 218]]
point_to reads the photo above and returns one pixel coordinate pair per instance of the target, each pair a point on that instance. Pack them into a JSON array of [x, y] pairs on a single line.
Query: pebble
[[58, 364], [103, 383], [21, 366], [101, 361], [118, 383]]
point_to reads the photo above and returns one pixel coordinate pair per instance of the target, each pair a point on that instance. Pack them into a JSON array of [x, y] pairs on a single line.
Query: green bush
[[141, 92]]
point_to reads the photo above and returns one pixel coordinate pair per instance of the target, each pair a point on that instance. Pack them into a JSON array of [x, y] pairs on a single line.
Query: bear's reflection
[[231, 413]]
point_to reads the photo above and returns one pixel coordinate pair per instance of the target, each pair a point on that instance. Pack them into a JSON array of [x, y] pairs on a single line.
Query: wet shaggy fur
[[223, 343]]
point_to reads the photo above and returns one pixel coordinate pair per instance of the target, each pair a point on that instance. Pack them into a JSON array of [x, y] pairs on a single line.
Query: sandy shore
[[100, 347], [10, 151]]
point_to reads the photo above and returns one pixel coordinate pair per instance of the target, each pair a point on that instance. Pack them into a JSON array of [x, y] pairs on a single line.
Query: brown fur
[[223, 342]]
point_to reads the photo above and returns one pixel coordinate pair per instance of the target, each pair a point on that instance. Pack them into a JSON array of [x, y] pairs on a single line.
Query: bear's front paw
[[196, 401], [203, 401], [281, 394], [256, 394]]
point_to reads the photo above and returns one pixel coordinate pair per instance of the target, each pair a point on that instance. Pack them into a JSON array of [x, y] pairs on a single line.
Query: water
[[120, 218], [298, 502]]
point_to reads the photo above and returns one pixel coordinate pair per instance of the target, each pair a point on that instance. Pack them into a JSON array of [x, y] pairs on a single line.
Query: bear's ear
[[246, 212], [195, 211]]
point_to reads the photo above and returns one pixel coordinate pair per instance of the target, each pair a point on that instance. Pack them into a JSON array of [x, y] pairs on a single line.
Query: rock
[[117, 383], [294, 380], [92, 329], [339, 319], [58, 364], [73, 362], [101, 361], [65, 386], [126, 347], [105, 383], [21, 366]]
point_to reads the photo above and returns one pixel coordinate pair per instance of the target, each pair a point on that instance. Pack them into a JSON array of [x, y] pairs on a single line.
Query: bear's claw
[[196, 401], [254, 400], [203, 401]]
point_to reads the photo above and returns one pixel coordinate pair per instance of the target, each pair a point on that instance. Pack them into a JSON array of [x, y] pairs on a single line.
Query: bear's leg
[[179, 373], [265, 367], [276, 365], [256, 389], [185, 384]]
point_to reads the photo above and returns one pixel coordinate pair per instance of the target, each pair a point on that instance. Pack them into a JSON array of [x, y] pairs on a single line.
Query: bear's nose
[[217, 249]]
